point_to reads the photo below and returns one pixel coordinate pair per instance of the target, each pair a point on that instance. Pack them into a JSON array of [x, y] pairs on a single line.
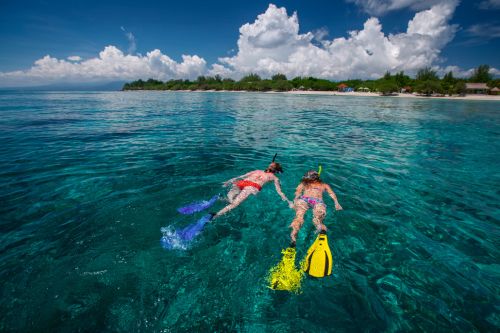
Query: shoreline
[[399, 95], [352, 94]]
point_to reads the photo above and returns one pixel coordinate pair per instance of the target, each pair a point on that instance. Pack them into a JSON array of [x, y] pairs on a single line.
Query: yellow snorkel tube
[[319, 170]]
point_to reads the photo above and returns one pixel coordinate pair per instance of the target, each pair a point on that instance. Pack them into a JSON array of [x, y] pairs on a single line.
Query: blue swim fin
[[198, 206], [180, 239], [193, 230]]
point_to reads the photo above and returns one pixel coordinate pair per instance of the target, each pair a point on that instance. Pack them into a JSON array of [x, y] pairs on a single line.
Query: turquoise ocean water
[[88, 179]]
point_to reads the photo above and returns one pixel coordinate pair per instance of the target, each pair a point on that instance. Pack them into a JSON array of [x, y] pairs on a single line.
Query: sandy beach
[[369, 94], [353, 94]]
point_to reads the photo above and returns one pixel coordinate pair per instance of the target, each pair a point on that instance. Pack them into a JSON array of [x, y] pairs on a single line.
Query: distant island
[[426, 83]]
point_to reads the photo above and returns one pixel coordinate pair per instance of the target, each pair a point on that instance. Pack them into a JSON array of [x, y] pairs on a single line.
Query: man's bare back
[[251, 183]]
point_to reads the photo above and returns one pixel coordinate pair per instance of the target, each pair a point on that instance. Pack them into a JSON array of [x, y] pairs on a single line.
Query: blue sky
[[209, 30]]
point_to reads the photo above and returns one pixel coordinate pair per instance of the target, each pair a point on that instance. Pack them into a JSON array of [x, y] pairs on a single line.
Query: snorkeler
[[309, 194], [251, 183]]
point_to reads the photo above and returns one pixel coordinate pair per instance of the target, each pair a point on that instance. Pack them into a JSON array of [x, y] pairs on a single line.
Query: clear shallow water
[[88, 179]]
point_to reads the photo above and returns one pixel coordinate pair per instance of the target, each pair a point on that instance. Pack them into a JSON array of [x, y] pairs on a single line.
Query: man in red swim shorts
[[251, 183]]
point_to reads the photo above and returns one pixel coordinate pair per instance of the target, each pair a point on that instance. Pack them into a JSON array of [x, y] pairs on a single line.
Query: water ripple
[[88, 179]]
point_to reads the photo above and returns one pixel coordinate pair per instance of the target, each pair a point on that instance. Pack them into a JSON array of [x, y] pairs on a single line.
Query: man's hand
[[338, 206]]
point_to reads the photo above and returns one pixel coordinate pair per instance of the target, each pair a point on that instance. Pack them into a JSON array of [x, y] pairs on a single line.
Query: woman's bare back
[[314, 190]]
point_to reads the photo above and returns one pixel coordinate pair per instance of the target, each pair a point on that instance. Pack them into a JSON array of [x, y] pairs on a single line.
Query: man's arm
[[280, 192], [227, 183], [334, 197]]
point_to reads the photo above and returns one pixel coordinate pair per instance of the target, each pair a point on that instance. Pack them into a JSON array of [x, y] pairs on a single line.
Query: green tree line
[[425, 82]]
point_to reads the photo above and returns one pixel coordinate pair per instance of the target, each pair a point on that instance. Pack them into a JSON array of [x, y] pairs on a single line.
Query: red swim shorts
[[244, 183]]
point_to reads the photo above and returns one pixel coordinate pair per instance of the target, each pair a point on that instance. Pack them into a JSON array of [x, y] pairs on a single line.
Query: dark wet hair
[[274, 167], [311, 176]]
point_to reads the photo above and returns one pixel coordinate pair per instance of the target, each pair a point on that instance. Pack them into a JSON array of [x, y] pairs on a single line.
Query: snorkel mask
[[274, 167], [313, 175]]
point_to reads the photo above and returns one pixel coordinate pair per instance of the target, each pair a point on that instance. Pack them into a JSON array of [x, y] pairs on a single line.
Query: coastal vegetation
[[426, 82]]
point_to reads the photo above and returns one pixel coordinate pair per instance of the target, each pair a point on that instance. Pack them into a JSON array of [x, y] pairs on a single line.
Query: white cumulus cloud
[[462, 73], [74, 58], [112, 64], [484, 30], [380, 7], [489, 4], [132, 45], [457, 71], [273, 44]]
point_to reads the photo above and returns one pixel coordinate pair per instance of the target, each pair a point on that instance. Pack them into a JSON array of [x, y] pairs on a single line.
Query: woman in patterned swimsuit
[[309, 194]]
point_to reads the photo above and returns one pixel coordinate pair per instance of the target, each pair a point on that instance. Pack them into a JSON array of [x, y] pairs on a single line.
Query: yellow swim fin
[[285, 275], [318, 261]]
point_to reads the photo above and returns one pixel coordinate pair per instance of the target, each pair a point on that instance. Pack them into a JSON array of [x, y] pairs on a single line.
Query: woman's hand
[[338, 206], [226, 184]]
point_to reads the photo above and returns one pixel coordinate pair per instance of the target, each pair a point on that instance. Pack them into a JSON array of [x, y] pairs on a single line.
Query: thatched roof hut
[[476, 88]]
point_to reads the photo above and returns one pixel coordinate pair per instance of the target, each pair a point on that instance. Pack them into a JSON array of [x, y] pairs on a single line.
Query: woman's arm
[[334, 197], [230, 181]]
